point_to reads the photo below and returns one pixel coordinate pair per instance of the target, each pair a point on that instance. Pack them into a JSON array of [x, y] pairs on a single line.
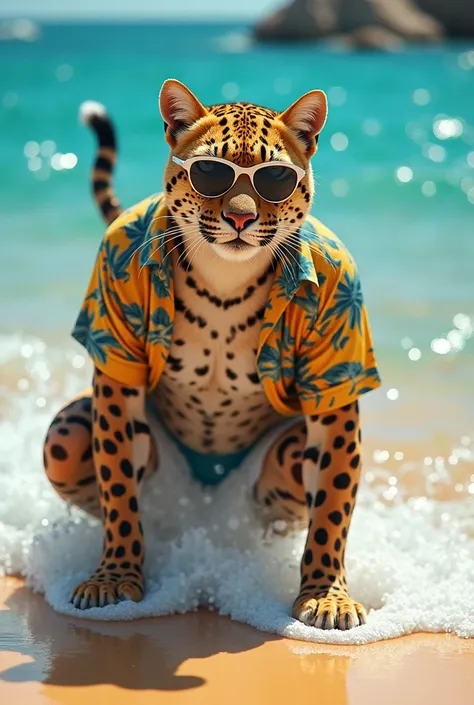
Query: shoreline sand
[[200, 657]]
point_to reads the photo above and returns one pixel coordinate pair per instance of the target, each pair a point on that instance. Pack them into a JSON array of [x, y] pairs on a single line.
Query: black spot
[[113, 516], [339, 442], [129, 430], [140, 427], [349, 425], [58, 452], [355, 461], [335, 517], [109, 447], [308, 556], [318, 574], [226, 402], [133, 504], [342, 481], [336, 563], [110, 537], [320, 498], [103, 423], [351, 447], [311, 454], [80, 421], [117, 489], [129, 392], [87, 455], [354, 490], [125, 529], [344, 533], [347, 508], [126, 467], [326, 460], [111, 566], [230, 374], [314, 417], [63, 431], [107, 391], [326, 560], [119, 436], [309, 499], [230, 355], [253, 377], [328, 420], [115, 410], [337, 545], [289, 440], [96, 445], [119, 552], [201, 371], [105, 473], [297, 473], [214, 334], [140, 473], [86, 481], [125, 565], [331, 578], [136, 548], [321, 536]]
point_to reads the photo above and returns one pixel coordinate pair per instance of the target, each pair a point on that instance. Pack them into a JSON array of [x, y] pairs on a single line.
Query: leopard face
[[246, 135]]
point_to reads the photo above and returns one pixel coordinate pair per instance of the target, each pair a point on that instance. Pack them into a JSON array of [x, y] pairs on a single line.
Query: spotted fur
[[99, 450]]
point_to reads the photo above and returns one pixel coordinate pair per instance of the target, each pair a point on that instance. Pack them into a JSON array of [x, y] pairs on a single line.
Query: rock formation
[[369, 23]]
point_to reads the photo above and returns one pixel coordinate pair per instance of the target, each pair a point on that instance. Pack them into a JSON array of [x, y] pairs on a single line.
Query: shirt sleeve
[[336, 361], [111, 323]]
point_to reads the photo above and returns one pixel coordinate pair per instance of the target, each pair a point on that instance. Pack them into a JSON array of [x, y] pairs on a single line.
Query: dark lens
[[211, 178], [275, 183]]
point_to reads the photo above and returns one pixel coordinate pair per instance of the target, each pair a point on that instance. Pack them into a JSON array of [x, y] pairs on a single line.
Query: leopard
[[100, 451]]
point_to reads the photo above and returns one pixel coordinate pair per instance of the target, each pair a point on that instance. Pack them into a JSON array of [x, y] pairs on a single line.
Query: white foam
[[411, 567]]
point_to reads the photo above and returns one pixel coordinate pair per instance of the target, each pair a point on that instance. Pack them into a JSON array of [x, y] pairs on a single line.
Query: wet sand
[[47, 658]]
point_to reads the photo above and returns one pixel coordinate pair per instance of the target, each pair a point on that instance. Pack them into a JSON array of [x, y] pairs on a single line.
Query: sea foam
[[410, 562]]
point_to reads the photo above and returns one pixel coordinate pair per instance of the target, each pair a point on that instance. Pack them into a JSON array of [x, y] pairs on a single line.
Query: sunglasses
[[212, 177]]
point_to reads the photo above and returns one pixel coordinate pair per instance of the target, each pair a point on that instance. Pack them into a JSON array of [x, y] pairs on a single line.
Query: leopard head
[[239, 225]]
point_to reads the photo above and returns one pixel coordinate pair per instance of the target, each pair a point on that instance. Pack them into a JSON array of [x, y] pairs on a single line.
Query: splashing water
[[410, 556]]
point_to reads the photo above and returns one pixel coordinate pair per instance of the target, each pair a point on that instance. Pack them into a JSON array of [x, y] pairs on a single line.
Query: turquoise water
[[410, 113]]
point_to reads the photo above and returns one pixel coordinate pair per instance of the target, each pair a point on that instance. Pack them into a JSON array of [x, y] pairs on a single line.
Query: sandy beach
[[46, 658]]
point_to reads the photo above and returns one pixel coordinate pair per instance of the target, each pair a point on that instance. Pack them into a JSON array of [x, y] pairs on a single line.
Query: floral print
[[315, 351]]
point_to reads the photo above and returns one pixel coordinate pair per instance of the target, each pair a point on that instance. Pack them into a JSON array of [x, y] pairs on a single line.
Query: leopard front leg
[[121, 447], [331, 474]]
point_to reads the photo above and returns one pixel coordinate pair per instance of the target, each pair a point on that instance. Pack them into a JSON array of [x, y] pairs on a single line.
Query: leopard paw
[[329, 611], [105, 589]]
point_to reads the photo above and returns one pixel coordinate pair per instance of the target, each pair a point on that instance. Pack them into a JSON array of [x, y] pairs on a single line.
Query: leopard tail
[[96, 117]]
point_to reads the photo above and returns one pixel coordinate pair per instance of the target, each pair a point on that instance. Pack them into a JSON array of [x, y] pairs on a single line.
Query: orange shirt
[[315, 351]]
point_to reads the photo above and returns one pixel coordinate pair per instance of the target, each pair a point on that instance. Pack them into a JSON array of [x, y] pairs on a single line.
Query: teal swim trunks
[[210, 469]]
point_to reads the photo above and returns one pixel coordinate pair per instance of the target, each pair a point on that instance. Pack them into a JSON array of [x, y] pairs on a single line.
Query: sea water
[[394, 178]]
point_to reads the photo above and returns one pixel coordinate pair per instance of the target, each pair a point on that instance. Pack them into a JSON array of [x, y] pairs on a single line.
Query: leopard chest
[[209, 394]]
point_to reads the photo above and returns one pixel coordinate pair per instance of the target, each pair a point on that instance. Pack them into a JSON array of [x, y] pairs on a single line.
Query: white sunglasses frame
[[238, 171]]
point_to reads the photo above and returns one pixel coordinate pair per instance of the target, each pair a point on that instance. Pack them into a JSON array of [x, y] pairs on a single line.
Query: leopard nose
[[239, 221]]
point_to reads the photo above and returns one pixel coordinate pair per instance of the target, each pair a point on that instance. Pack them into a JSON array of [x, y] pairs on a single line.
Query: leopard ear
[[179, 108], [306, 117]]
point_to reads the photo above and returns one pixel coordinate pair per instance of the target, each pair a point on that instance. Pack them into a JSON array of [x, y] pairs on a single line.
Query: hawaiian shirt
[[315, 350]]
